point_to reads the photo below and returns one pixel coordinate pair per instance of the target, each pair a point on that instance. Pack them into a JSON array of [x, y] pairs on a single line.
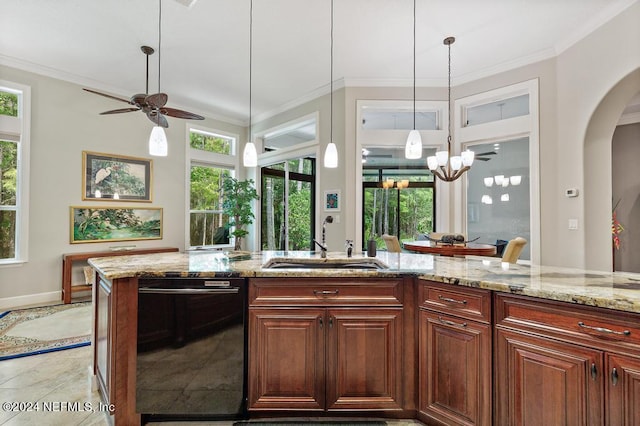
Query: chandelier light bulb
[[442, 157], [456, 162], [504, 197], [98, 194], [467, 157], [505, 182], [488, 181], [498, 179], [515, 180]]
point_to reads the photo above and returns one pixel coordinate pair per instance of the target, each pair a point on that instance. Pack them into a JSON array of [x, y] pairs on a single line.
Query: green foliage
[[8, 190], [300, 219], [8, 104], [210, 143], [237, 196]]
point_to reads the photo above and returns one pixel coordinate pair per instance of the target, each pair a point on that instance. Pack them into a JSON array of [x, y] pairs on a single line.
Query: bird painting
[[102, 174]]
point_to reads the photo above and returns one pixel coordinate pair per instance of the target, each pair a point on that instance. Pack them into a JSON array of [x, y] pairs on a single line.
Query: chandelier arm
[[437, 173]]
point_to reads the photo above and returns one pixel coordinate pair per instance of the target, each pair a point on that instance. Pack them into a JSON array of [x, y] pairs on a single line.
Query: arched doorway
[[598, 168]]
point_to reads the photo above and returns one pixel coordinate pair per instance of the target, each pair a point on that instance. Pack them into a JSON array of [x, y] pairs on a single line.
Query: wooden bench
[[69, 258]]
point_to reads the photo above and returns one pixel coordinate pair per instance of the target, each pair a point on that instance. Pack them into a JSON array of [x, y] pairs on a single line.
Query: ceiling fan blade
[[158, 119], [157, 100], [486, 153], [178, 113], [108, 96], [118, 111], [483, 159]]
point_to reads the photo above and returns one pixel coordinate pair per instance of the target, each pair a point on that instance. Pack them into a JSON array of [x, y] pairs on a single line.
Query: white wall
[[64, 122]]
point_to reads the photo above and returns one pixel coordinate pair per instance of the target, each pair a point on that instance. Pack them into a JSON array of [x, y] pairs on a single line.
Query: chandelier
[[446, 167]]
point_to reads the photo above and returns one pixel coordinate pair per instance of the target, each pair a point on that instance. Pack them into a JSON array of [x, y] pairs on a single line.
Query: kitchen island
[[433, 311]]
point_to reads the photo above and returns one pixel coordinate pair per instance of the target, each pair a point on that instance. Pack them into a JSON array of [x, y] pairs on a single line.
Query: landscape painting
[[111, 177], [104, 224]]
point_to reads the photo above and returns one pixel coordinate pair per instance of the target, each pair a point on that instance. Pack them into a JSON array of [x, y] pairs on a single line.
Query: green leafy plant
[[237, 196]]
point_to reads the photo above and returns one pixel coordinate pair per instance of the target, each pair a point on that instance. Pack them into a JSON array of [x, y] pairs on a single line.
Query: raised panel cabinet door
[[286, 359], [622, 390], [545, 382], [364, 354], [454, 370]]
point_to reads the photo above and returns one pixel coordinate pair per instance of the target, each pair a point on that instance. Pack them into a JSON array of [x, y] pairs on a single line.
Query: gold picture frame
[[109, 177], [98, 224]]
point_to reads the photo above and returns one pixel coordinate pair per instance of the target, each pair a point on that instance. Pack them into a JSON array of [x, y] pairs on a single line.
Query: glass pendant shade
[[488, 181], [98, 194], [413, 148], [456, 162], [158, 144], [331, 156], [515, 180], [249, 155], [432, 162], [498, 179], [467, 157], [442, 157]]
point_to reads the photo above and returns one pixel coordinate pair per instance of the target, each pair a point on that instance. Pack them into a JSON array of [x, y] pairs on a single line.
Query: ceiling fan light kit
[[443, 165], [153, 106]]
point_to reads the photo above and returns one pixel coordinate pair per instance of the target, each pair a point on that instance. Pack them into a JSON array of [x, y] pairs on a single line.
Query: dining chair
[[392, 243], [513, 250]]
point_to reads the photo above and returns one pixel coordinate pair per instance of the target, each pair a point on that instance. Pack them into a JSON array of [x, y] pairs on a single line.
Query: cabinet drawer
[[323, 292], [470, 303], [596, 327]]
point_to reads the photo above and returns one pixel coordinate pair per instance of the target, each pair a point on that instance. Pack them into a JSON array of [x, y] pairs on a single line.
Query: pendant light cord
[[331, 81], [159, 50], [449, 104], [414, 64], [250, 61]]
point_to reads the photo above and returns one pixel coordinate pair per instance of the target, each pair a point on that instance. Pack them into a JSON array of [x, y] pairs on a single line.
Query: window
[[14, 166], [211, 160], [288, 205], [502, 196], [404, 212]]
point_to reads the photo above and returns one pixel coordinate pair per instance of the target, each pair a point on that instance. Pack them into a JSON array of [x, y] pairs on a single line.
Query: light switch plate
[[573, 224]]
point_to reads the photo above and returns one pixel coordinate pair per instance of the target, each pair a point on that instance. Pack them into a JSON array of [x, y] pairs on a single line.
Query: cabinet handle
[[604, 330], [330, 322], [614, 376], [449, 300], [320, 321], [451, 323], [594, 371], [326, 292]]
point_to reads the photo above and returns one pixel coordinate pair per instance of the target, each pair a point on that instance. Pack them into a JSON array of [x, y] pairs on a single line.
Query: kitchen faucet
[[323, 246]]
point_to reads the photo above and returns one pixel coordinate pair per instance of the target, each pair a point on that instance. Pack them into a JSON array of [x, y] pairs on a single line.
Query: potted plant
[[237, 196]]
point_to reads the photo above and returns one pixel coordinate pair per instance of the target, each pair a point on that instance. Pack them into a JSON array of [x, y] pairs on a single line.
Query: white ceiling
[[205, 47]]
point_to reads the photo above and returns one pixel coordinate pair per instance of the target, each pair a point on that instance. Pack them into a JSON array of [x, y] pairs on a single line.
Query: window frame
[[201, 158], [18, 129], [498, 131]]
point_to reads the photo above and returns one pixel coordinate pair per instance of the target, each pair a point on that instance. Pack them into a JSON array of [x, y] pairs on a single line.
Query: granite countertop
[[619, 291]]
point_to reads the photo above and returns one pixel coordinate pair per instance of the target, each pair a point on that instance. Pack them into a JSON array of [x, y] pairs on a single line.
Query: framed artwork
[[332, 200], [105, 224], [108, 177]]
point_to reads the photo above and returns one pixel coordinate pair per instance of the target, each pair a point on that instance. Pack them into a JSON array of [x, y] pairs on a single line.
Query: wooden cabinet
[[576, 365], [454, 355], [317, 345]]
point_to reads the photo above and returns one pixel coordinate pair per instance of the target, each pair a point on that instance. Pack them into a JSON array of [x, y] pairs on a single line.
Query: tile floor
[[59, 384]]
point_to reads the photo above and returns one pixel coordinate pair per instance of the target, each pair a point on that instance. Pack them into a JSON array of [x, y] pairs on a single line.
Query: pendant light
[[443, 165], [250, 155], [158, 144], [331, 152], [413, 147]]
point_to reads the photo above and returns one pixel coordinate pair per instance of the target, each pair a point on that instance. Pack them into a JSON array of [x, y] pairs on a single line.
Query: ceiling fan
[[484, 156], [152, 105]]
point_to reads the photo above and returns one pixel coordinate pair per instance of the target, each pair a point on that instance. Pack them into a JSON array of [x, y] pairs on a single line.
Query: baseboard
[[39, 299]]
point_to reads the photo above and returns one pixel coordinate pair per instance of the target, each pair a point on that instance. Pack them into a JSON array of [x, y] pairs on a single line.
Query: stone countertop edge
[[616, 291]]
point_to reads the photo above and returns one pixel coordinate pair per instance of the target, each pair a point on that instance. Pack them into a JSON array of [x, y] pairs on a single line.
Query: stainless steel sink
[[325, 263]]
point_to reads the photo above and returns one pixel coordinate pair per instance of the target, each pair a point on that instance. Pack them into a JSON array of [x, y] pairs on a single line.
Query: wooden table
[[69, 258], [431, 247]]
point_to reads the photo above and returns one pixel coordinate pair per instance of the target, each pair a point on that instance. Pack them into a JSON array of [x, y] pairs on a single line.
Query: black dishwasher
[[191, 361]]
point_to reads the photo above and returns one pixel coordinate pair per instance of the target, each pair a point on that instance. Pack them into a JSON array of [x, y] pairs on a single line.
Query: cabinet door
[[364, 353], [623, 390], [103, 339], [286, 359], [455, 370], [545, 382]]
